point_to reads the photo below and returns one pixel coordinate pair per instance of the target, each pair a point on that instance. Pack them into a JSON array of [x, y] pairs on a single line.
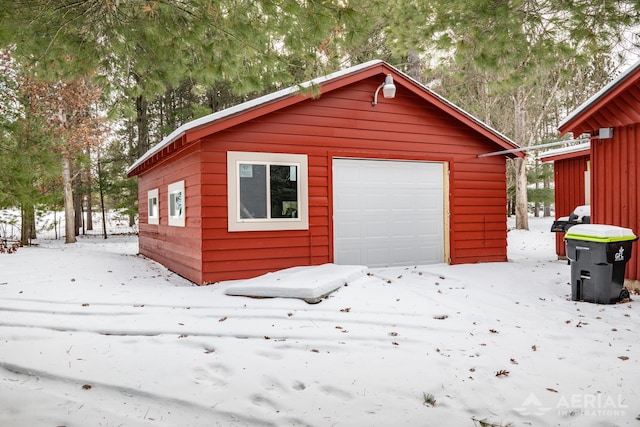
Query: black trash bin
[[598, 255]]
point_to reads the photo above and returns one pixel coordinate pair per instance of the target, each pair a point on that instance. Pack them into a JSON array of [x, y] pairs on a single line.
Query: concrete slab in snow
[[307, 283]]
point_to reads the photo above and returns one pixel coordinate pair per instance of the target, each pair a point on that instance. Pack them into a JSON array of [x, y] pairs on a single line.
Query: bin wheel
[[624, 294]]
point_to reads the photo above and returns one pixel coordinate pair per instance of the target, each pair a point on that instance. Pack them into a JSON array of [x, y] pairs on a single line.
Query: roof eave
[[253, 104], [603, 96], [326, 84]]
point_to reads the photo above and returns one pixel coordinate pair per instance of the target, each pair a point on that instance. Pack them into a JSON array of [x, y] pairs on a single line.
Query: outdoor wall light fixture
[[388, 89], [605, 133]]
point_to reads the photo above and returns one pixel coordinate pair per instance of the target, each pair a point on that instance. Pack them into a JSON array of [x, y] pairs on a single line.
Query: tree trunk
[[89, 211], [100, 182], [69, 214], [77, 205], [547, 206], [522, 213], [415, 65], [536, 211], [87, 193], [522, 218], [28, 228], [142, 122]]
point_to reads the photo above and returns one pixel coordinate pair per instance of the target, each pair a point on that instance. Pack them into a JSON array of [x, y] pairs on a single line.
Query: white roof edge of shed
[[292, 90], [565, 150], [602, 92]]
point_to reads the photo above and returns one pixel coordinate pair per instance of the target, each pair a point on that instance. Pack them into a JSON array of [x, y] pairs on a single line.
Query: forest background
[[87, 86]]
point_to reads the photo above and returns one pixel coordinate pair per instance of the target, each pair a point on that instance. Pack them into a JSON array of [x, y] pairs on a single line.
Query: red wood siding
[[615, 188], [177, 248], [614, 161], [344, 124], [569, 190]]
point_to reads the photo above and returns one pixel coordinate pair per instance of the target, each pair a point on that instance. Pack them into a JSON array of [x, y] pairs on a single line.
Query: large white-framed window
[[267, 191], [154, 208], [176, 204]]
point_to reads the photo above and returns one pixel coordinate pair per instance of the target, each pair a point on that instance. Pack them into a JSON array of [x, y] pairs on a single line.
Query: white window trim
[[155, 218], [235, 223], [176, 220]]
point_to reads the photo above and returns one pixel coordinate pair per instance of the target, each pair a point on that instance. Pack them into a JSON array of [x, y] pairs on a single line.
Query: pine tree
[[530, 52], [144, 53], [29, 167], [71, 122]]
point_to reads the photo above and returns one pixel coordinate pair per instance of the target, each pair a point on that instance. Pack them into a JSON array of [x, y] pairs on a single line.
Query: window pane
[[253, 191], [284, 191], [153, 202], [175, 204]]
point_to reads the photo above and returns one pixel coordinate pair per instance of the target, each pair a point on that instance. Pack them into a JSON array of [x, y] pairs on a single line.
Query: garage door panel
[[350, 256], [349, 231], [388, 212], [376, 229]]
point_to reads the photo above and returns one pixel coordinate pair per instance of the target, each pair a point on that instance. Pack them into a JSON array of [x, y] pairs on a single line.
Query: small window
[[267, 191], [176, 204], [153, 212]]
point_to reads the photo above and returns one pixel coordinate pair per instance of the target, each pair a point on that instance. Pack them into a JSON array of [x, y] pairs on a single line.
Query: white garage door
[[388, 213]]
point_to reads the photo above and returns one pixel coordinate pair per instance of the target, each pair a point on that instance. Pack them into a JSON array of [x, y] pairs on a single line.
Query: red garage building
[[612, 119], [365, 166], [571, 178]]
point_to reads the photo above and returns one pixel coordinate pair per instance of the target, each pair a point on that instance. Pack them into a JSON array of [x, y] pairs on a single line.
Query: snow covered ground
[[92, 334]]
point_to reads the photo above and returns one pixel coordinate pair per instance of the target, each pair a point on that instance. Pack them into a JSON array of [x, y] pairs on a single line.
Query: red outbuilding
[[365, 166], [571, 178], [612, 120]]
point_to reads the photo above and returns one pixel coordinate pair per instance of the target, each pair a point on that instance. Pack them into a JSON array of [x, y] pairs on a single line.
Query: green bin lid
[[600, 233]]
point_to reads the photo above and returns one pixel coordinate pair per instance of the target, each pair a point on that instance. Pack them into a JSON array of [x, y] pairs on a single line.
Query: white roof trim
[[284, 93], [566, 150], [601, 93]]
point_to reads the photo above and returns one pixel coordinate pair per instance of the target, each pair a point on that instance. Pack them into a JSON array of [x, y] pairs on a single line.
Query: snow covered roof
[[600, 94], [564, 150], [295, 90]]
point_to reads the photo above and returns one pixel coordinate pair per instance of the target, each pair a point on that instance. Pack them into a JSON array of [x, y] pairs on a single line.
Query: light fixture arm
[[375, 97]]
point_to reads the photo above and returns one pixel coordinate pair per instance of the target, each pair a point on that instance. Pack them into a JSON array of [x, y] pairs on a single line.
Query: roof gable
[[616, 104], [569, 152], [215, 122]]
